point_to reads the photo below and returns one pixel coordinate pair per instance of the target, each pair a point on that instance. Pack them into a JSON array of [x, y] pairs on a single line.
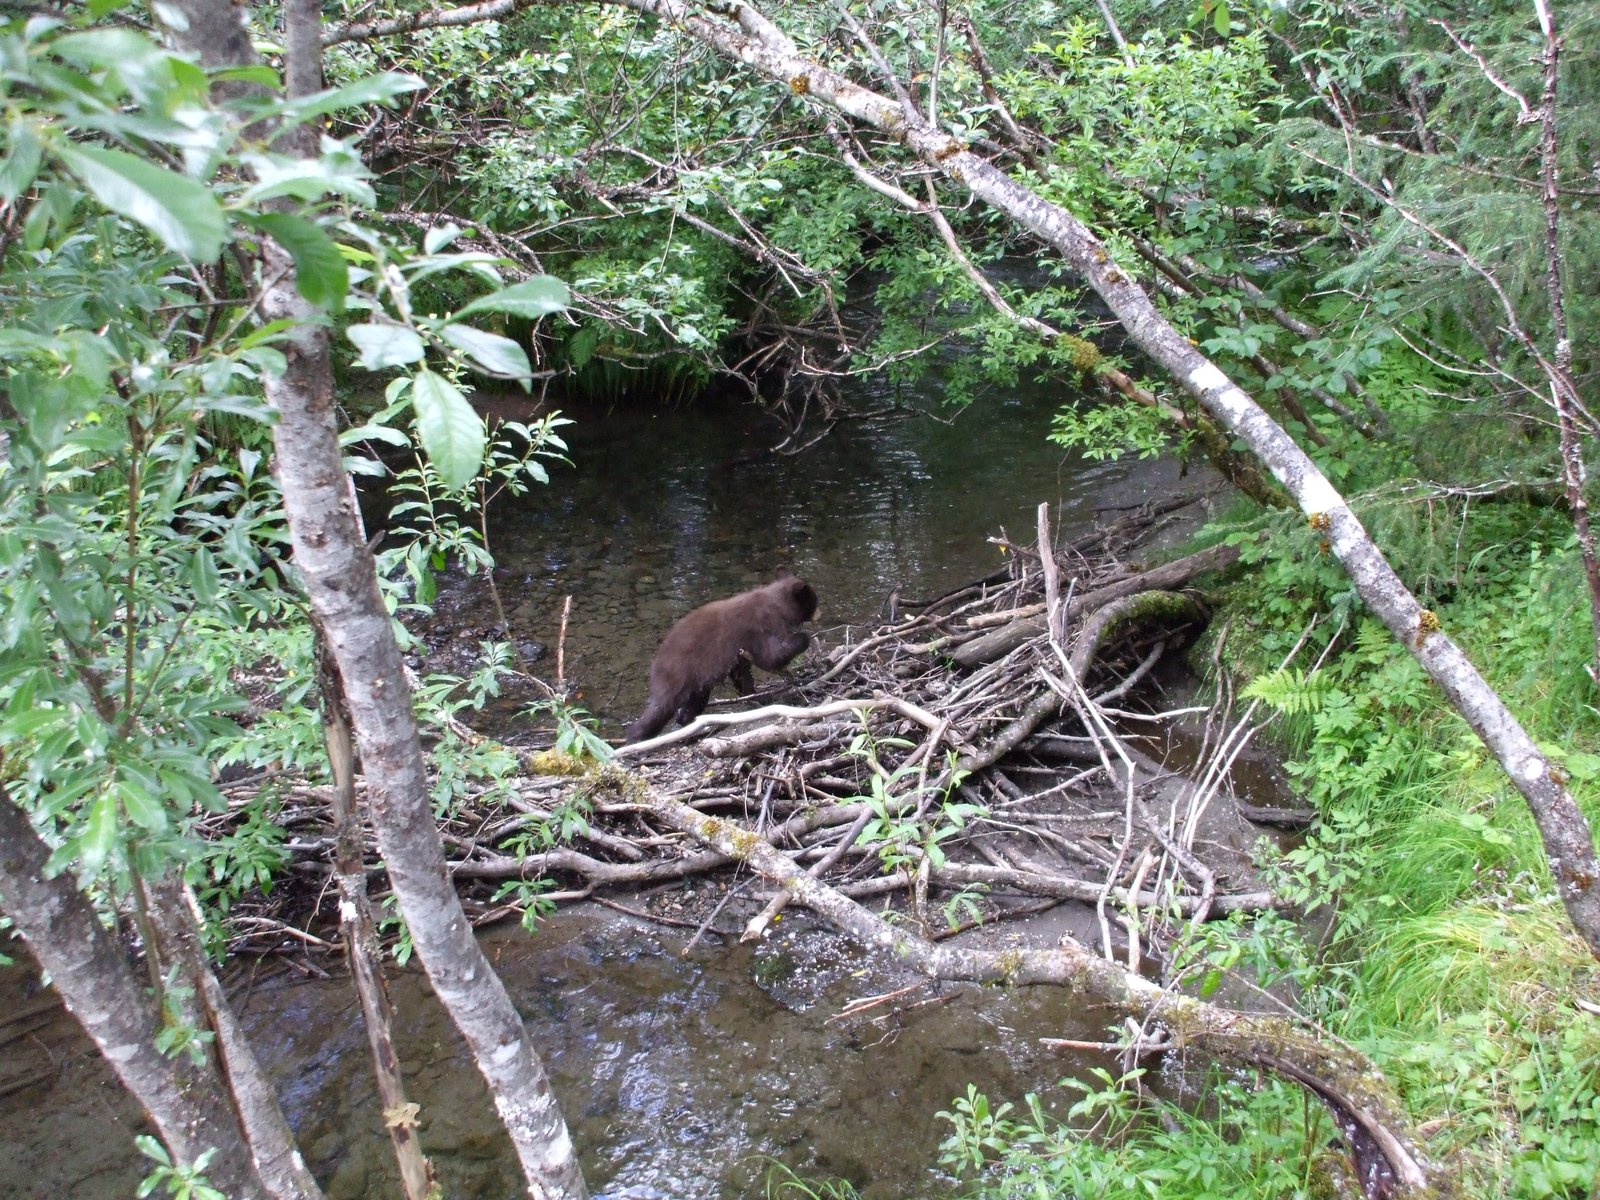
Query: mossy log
[[1170, 575]]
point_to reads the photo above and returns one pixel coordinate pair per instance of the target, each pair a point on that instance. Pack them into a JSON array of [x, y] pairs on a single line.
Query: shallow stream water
[[686, 1073], [663, 511]]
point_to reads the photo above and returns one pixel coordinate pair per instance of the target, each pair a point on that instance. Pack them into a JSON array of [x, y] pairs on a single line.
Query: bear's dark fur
[[719, 641]]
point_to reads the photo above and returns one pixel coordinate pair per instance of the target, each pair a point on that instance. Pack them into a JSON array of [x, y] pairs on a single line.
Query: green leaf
[[139, 799], [321, 274], [452, 433], [183, 214], [71, 614], [375, 433], [1582, 765], [339, 171], [386, 345], [532, 298], [99, 834], [261, 75], [496, 355], [204, 578], [372, 89], [109, 49], [22, 159]]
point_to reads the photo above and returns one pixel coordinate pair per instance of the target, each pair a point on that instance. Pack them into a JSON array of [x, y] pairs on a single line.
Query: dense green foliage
[[1339, 202], [147, 603]]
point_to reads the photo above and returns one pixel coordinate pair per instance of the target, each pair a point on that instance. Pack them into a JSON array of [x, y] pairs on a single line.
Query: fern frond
[[1290, 690]]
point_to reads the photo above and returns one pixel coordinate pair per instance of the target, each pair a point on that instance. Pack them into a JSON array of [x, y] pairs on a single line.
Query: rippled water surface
[[690, 1073], [661, 512]]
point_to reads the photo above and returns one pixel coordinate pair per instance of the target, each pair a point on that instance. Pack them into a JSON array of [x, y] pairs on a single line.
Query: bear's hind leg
[[651, 722], [693, 705]]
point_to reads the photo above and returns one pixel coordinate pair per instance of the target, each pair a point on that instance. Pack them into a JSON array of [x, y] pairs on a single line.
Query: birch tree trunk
[[341, 580], [748, 37], [187, 1103]]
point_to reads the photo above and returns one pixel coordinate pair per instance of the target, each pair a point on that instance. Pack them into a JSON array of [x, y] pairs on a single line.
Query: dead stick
[[561, 647]]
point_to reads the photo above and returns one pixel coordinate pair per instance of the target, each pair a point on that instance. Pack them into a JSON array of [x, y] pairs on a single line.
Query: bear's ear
[[784, 573]]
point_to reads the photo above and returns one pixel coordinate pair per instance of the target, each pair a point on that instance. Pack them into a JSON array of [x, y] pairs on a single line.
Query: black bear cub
[[719, 641]]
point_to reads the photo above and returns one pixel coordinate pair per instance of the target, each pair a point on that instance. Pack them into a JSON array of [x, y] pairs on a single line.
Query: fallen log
[[1364, 1107], [1170, 575]]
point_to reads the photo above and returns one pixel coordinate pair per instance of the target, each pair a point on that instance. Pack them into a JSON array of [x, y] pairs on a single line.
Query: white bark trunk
[[340, 576], [342, 581], [187, 1104]]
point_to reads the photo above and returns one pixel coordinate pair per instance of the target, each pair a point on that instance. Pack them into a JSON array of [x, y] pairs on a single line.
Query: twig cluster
[[965, 755]]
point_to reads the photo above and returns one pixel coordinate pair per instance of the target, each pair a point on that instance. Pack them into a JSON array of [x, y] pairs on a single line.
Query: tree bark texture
[[1563, 389], [341, 580], [360, 938], [175, 919], [187, 1103], [747, 37]]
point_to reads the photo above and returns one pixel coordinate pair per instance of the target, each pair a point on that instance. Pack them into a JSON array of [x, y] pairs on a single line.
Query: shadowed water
[[661, 512]]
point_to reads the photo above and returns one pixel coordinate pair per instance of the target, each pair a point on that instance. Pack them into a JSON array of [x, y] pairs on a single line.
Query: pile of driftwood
[[973, 756], [964, 758]]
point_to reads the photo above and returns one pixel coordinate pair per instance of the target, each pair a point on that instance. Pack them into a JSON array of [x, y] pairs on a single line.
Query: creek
[[662, 511], [686, 1073]]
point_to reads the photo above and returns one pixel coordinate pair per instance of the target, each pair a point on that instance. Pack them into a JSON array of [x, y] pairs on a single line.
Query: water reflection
[[664, 511]]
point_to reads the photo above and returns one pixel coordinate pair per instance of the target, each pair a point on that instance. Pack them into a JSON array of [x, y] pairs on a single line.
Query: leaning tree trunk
[[341, 579], [186, 1102], [750, 38], [1383, 1145]]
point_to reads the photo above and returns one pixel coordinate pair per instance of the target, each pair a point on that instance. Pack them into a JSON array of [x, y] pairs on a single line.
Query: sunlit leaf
[[183, 214], [374, 433], [108, 49], [452, 432], [440, 236], [385, 345], [338, 171], [259, 74], [532, 298], [494, 354], [372, 89]]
